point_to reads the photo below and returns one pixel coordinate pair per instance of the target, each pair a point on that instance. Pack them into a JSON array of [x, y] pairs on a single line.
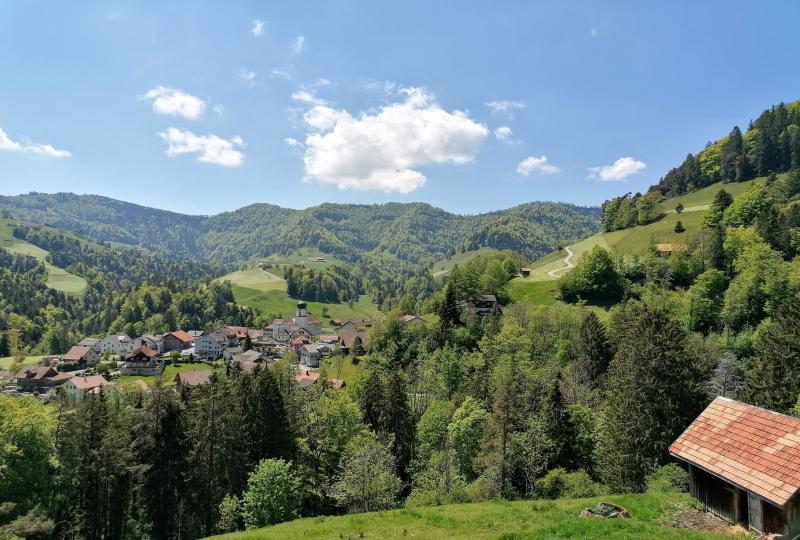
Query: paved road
[[567, 263]]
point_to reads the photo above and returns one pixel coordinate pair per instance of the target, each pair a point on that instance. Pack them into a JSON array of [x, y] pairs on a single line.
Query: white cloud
[[174, 102], [617, 171], [248, 76], [280, 74], [533, 164], [219, 109], [381, 150], [304, 96], [593, 32], [322, 81], [299, 44], [258, 27], [505, 105], [503, 133], [386, 87], [6, 143], [290, 141], [212, 149]]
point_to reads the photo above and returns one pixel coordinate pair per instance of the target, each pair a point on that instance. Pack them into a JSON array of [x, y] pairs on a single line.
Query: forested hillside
[[414, 233], [771, 144]]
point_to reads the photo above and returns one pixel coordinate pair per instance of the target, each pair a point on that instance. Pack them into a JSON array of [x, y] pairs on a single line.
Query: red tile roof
[[89, 382], [147, 351], [753, 448], [181, 335], [306, 378], [76, 353]]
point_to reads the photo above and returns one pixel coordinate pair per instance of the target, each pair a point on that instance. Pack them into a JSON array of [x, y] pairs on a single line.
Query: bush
[[670, 477], [560, 484], [273, 494]]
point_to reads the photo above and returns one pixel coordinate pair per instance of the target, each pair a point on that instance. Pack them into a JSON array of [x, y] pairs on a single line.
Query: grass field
[[341, 367], [458, 259], [57, 278], [257, 279], [168, 374], [28, 360], [702, 198], [498, 519]]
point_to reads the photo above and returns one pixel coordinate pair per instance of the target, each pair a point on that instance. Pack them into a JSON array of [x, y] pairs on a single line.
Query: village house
[[331, 339], [76, 388], [354, 326], [485, 304], [142, 361], [195, 333], [150, 341], [525, 272], [305, 378], [298, 342], [80, 356], [744, 465], [115, 344], [38, 378], [284, 330], [211, 345], [176, 341], [353, 342], [94, 343], [185, 379], [311, 355]]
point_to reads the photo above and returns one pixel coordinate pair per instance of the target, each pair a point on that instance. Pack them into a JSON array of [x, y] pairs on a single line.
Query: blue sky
[[205, 107]]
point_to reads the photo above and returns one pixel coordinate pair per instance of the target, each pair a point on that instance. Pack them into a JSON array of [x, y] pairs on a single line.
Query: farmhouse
[[142, 361], [211, 345], [148, 340], [176, 341], [32, 378], [77, 387], [485, 304], [306, 378], [81, 356], [525, 272], [354, 326], [744, 465], [353, 342], [94, 343]]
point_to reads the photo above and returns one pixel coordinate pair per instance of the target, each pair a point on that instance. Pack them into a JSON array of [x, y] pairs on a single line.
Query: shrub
[[560, 484], [671, 477], [273, 494]]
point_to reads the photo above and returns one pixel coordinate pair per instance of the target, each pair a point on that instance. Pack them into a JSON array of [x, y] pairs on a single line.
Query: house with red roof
[[142, 361], [177, 341], [744, 465], [76, 388], [81, 356]]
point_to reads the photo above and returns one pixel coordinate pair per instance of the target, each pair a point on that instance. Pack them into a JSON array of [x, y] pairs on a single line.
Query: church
[[302, 324]]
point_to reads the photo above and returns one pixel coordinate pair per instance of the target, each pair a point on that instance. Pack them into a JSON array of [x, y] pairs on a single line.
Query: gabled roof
[[753, 448], [147, 351], [347, 338], [181, 335], [193, 378], [89, 382], [306, 378], [35, 372], [76, 353], [669, 248], [89, 342]]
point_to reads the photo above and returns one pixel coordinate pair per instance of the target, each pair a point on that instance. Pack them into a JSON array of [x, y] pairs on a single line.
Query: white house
[[211, 345], [311, 355], [77, 387], [116, 344]]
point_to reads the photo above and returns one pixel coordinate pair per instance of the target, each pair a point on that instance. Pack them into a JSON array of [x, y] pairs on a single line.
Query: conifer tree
[[656, 386], [592, 351], [397, 420], [372, 400]]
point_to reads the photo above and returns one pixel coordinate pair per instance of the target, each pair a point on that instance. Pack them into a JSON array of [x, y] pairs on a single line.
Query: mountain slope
[[414, 233]]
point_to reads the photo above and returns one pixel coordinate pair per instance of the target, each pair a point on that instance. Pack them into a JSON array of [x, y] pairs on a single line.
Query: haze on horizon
[[205, 110]]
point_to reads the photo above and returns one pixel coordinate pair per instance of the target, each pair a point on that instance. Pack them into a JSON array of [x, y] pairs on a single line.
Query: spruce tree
[[592, 351], [372, 400], [397, 420], [265, 421], [656, 386]]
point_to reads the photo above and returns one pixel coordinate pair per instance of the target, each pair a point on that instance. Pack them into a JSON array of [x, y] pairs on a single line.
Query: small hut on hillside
[[744, 465]]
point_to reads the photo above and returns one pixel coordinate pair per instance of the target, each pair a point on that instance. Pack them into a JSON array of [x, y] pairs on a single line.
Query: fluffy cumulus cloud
[[174, 102], [617, 171], [248, 76], [382, 149], [533, 164], [290, 141], [503, 133], [6, 143], [304, 96], [257, 28], [211, 149]]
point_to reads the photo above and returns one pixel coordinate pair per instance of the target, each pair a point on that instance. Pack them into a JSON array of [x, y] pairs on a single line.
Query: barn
[[744, 465]]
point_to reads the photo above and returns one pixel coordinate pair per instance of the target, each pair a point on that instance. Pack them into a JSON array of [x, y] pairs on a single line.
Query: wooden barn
[[744, 465]]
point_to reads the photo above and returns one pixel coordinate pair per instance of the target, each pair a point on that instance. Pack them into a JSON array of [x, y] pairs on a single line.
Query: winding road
[[567, 263]]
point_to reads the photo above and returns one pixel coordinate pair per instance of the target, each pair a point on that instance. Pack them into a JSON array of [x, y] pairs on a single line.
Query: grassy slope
[[168, 374], [458, 259], [58, 278], [28, 360], [496, 519]]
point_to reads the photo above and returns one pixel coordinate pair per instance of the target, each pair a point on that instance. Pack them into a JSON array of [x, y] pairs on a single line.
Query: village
[[96, 365]]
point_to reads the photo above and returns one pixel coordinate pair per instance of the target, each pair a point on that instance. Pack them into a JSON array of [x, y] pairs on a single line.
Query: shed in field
[[744, 465]]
